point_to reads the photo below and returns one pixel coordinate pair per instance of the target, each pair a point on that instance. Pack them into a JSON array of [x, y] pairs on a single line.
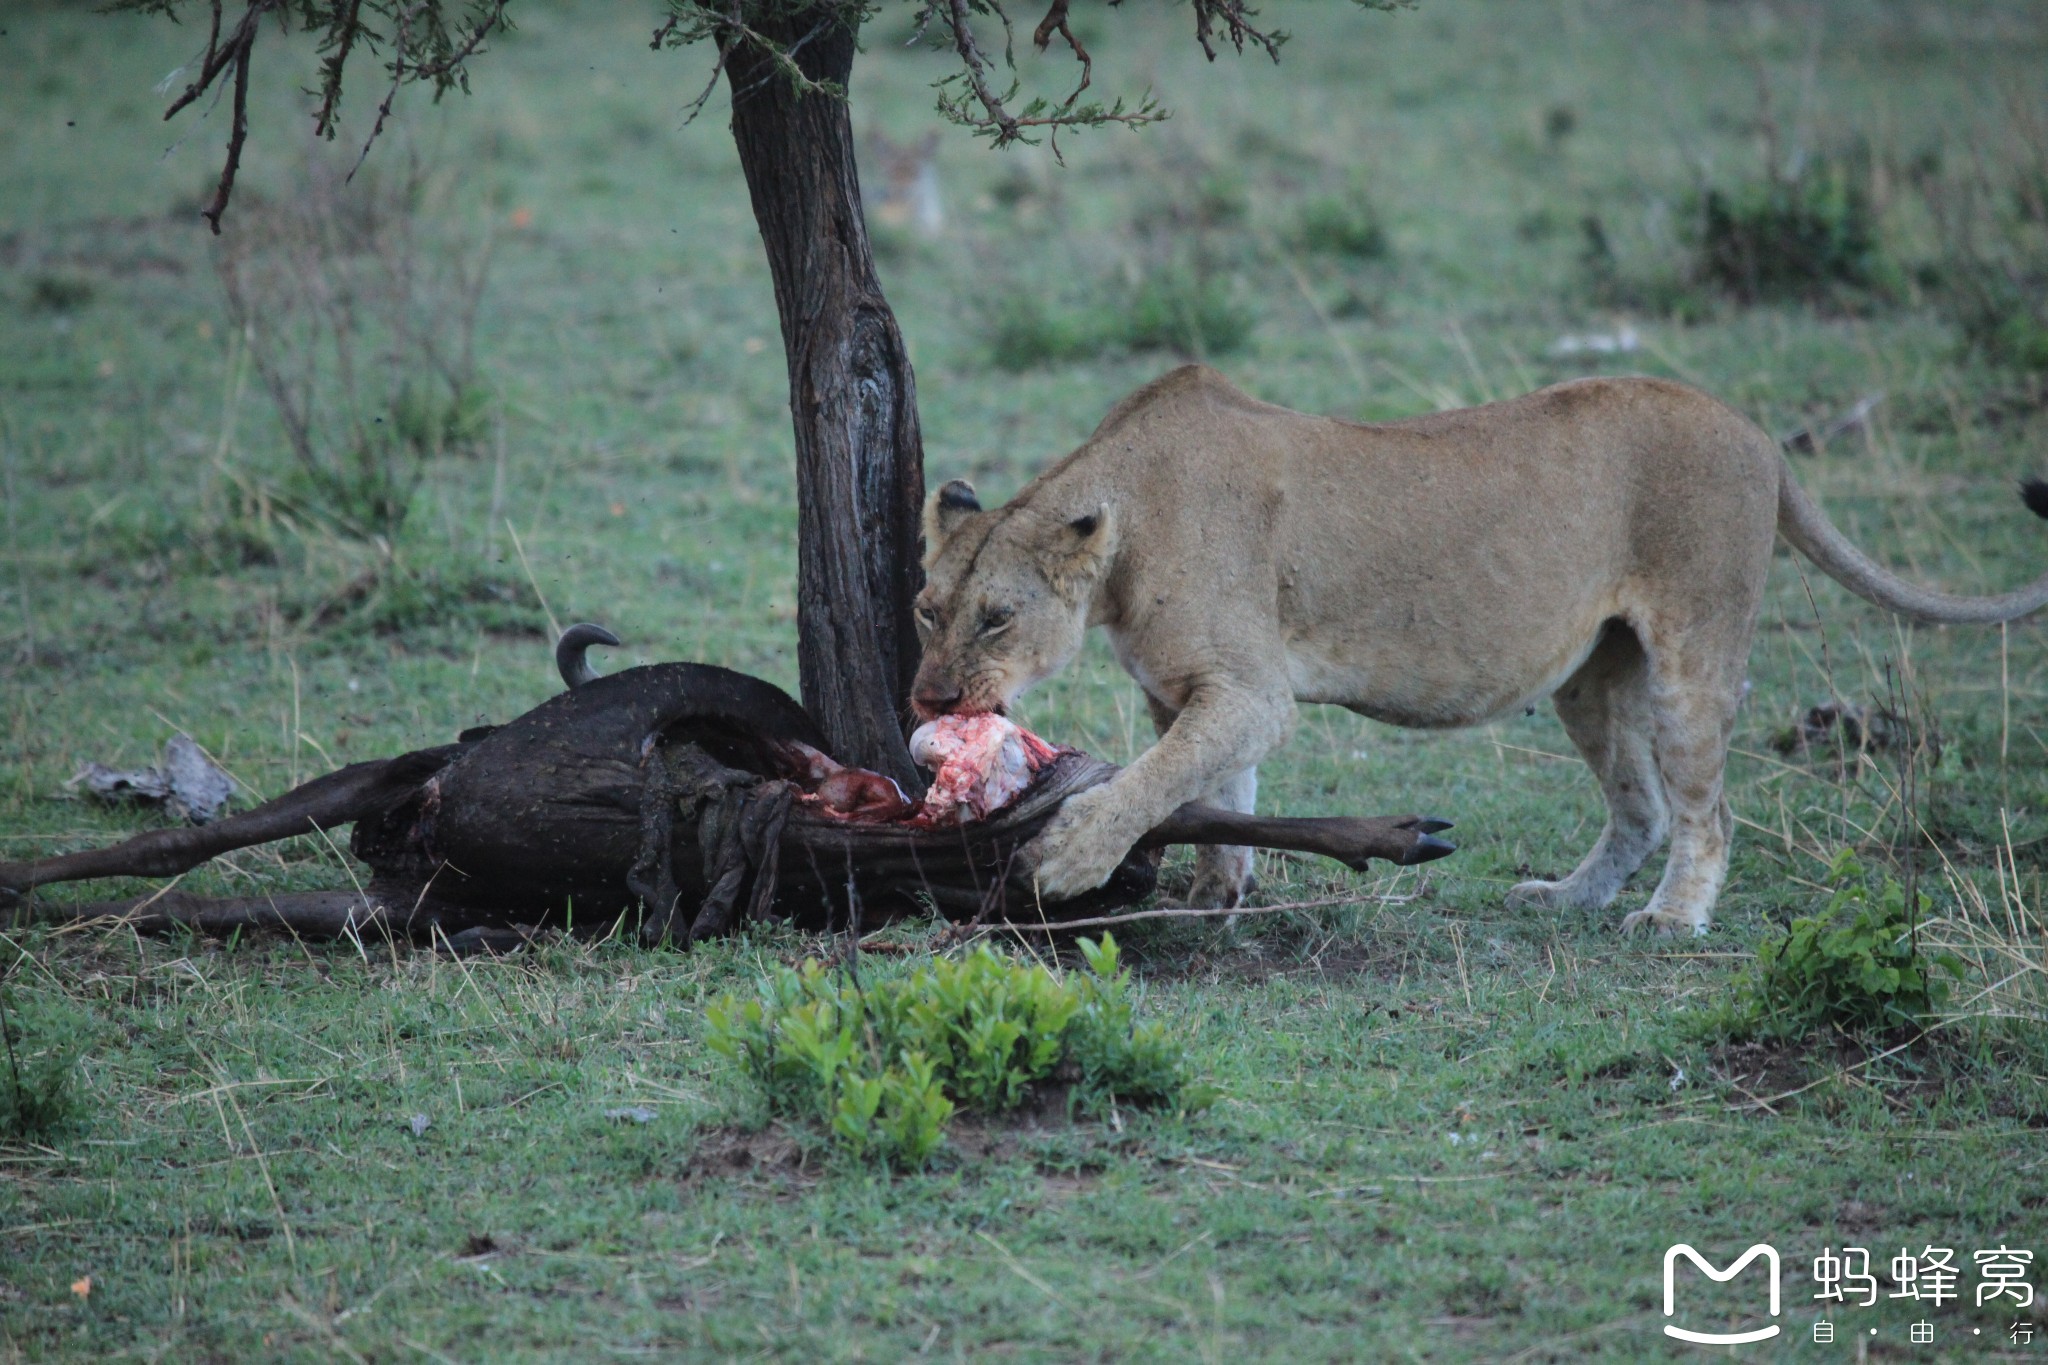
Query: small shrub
[[1789, 237], [1810, 236], [58, 294], [1221, 199], [1177, 308], [1185, 309], [1858, 964], [2003, 316], [1991, 279], [400, 598], [1664, 290], [882, 1068], [360, 325], [1342, 226], [39, 1050], [1116, 1057], [1024, 332]]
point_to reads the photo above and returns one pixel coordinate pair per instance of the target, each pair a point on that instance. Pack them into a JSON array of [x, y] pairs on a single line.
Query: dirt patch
[[1767, 1070], [1763, 1068], [1000, 1137], [781, 1156], [736, 1153], [1255, 963]]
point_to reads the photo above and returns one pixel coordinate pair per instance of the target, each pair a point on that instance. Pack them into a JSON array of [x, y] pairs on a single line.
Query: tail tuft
[[2034, 493]]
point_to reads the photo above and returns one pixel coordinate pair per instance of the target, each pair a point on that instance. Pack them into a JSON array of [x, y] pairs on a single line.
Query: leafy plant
[[1174, 308], [360, 326], [1789, 236], [1186, 309], [39, 1050], [1025, 332], [883, 1067], [1859, 963], [1661, 286], [1117, 1057], [1991, 222], [1346, 226]]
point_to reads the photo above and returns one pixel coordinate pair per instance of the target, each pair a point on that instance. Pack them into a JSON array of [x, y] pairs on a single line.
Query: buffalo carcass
[[687, 796]]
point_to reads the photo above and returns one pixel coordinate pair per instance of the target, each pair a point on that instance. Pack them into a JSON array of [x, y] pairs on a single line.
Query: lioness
[[1603, 542]]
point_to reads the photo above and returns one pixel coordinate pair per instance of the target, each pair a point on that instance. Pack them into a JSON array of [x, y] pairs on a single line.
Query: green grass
[[1446, 1131]]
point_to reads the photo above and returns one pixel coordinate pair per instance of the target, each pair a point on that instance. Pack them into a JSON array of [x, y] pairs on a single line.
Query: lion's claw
[[1664, 924]]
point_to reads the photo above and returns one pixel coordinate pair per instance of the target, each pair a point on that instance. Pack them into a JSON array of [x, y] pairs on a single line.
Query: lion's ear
[[950, 504], [1080, 548]]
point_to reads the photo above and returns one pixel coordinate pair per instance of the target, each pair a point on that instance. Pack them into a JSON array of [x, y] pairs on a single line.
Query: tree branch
[[405, 19], [331, 69], [440, 70], [220, 56], [1237, 27], [970, 53], [1055, 21], [238, 134]]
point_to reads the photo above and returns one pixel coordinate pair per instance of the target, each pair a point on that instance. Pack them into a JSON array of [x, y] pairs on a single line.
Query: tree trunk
[[859, 455]]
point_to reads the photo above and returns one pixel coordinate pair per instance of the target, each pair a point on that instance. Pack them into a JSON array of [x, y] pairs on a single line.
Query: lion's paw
[[1079, 849], [1665, 924], [1533, 895], [1216, 889]]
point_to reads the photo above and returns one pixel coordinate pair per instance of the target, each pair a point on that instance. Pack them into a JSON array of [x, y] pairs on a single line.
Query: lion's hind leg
[[1606, 709], [1696, 691]]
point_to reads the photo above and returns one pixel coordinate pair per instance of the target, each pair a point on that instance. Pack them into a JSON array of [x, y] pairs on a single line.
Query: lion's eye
[[926, 618], [997, 620]]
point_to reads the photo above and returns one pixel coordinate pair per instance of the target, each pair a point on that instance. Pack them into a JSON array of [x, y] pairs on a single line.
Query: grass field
[[1447, 1131]]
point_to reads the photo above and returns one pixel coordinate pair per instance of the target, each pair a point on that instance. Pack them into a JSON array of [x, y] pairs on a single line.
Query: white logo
[[1770, 1255]]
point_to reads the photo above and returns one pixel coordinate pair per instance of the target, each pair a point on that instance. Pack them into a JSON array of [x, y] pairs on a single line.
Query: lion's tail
[[1809, 531]]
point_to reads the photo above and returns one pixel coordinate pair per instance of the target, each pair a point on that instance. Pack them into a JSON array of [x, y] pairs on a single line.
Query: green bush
[[1789, 237], [1858, 964], [39, 1051], [1665, 289], [2001, 314], [1024, 332], [881, 1067], [1177, 308], [1187, 310], [1342, 226], [1991, 280]]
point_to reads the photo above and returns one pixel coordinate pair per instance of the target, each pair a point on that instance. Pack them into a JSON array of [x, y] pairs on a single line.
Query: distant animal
[[1602, 542], [900, 183]]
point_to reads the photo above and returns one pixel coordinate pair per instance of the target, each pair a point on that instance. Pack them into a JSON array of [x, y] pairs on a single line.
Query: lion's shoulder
[[1175, 390]]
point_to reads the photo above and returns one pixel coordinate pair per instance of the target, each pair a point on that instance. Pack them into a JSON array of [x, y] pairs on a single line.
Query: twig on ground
[[1178, 912], [1836, 1074]]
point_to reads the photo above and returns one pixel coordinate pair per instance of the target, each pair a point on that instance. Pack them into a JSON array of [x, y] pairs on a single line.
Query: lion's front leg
[[1220, 733]]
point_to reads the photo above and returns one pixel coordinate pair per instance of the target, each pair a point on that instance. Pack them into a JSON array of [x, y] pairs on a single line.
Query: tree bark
[[852, 398]]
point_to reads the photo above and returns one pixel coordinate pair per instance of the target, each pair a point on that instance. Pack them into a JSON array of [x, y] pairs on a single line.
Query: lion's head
[[1006, 597]]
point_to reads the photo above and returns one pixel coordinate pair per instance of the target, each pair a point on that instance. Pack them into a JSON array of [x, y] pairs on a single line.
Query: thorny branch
[[970, 53], [449, 64], [397, 79], [995, 119], [1055, 21], [727, 28], [423, 48], [331, 69], [1237, 27], [346, 26], [219, 57]]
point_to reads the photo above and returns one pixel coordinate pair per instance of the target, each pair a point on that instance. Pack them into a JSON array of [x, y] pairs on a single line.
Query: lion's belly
[[1440, 674]]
